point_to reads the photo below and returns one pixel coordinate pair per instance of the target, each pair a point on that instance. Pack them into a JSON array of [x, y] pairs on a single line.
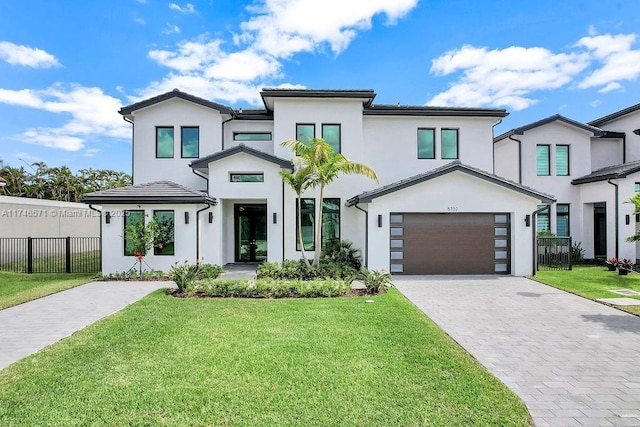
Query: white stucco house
[[591, 168], [212, 173]]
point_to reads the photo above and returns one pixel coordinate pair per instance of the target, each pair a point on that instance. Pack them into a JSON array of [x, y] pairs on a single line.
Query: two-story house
[[212, 173], [591, 168]]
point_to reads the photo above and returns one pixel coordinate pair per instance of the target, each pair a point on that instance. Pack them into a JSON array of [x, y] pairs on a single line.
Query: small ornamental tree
[[142, 237]]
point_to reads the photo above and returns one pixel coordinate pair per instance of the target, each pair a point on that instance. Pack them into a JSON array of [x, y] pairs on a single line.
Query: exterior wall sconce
[[527, 220], [210, 217], [107, 218], [627, 219], [186, 217], [379, 221], [275, 218]]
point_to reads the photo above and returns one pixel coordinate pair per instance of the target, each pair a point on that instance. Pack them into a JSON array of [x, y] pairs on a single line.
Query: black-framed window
[[190, 142], [330, 222], [426, 143], [164, 142], [543, 220], [252, 136], [449, 143], [562, 220], [164, 241], [246, 177], [543, 161], [562, 160], [305, 132], [636, 187], [131, 218], [331, 134]]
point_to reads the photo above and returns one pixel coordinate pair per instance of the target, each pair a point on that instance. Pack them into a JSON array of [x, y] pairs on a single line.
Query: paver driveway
[[572, 361], [29, 327]]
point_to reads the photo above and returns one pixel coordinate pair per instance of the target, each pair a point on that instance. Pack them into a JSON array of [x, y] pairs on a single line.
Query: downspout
[[534, 214], [206, 178], [493, 151], [132, 142], [100, 213], [624, 150], [198, 229], [233, 116], [617, 221], [282, 223], [366, 234], [519, 158]]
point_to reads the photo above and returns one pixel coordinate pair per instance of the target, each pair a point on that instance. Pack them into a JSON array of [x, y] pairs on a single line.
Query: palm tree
[[322, 166], [298, 181]]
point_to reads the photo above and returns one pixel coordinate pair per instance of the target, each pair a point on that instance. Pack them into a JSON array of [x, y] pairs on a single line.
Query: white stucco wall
[[605, 152], [506, 161], [24, 217], [177, 113], [464, 193], [627, 124]]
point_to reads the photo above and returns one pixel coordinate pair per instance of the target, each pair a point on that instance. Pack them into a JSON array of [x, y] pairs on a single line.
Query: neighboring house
[[591, 168], [212, 173]]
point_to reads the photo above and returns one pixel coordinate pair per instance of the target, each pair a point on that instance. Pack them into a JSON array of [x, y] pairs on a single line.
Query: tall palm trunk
[[304, 254], [316, 257]]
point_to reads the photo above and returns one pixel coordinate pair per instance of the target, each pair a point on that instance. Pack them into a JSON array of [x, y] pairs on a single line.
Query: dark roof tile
[[152, 192]]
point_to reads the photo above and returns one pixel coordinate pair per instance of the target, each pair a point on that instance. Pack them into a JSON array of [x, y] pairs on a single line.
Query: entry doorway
[[600, 230], [250, 224]]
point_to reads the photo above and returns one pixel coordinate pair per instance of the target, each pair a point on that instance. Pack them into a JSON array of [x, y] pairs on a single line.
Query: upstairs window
[[542, 160], [190, 137], [426, 143], [246, 177], [331, 134], [305, 132], [449, 142], [164, 142], [252, 136], [562, 160], [562, 220]]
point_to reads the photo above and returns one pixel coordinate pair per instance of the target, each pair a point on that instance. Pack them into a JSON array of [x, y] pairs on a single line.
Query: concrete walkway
[[29, 327], [572, 361]]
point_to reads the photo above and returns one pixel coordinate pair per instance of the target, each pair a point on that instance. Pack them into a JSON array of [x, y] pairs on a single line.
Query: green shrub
[[297, 270], [342, 252], [184, 275], [375, 281], [269, 288], [209, 271]]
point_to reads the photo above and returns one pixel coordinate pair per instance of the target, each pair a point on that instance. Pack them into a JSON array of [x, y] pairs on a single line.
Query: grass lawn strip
[[593, 283], [313, 362], [16, 288]]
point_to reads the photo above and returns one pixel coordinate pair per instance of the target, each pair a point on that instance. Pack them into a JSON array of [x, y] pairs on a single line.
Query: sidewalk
[[29, 327]]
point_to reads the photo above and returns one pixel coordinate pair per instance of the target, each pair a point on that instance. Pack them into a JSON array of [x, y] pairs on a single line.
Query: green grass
[[593, 282], [16, 288], [308, 362], [85, 261]]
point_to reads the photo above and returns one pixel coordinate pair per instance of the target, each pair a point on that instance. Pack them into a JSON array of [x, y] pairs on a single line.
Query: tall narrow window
[[164, 241], [426, 143], [562, 220], [331, 134], [190, 142], [132, 220], [164, 142], [542, 220], [330, 220], [308, 212], [636, 187], [305, 132], [449, 142], [542, 160], [562, 160]]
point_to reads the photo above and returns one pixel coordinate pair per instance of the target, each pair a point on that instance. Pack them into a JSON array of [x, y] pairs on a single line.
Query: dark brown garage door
[[450, 243]]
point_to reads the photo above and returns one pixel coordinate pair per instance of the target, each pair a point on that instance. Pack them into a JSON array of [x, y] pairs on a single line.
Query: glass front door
[[250, 233], [600, 230]]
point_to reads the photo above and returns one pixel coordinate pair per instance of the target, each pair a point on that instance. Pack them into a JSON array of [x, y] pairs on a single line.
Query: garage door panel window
[[502, 268], [396, 218], [397, 231], [397, 255], [502, 243], [397, 268], [397, 243]]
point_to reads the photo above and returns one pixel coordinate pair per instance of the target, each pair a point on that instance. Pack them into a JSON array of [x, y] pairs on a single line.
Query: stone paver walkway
[[29, 327], [572, 361]]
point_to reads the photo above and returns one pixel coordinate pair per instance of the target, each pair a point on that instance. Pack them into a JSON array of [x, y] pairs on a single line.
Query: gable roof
[[556, 117], [367, 95], [454, 166], [418, 110], [175, 94], [609, 172], [152, 192], [613, 116], [241, 148]]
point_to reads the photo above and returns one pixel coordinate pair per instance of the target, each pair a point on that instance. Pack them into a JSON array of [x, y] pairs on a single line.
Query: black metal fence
[[553, 253], [50, 254]]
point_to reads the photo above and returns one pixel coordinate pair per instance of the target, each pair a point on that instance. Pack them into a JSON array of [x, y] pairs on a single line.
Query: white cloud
[[138, 20], [191, 56], [503, 77], [170, 29], [187, 9], [91, 152], [92, 114], [619, 61], [27, 56]]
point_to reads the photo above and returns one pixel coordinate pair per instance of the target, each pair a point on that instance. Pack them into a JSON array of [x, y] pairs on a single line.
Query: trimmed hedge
[[297, 270], [266, 288]]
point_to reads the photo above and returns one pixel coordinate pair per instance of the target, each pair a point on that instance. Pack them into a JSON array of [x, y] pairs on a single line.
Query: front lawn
[[334, 361], [593, 283], [16, 288]]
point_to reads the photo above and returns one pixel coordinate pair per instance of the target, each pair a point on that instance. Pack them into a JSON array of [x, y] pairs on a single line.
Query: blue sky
[[66, 68]]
